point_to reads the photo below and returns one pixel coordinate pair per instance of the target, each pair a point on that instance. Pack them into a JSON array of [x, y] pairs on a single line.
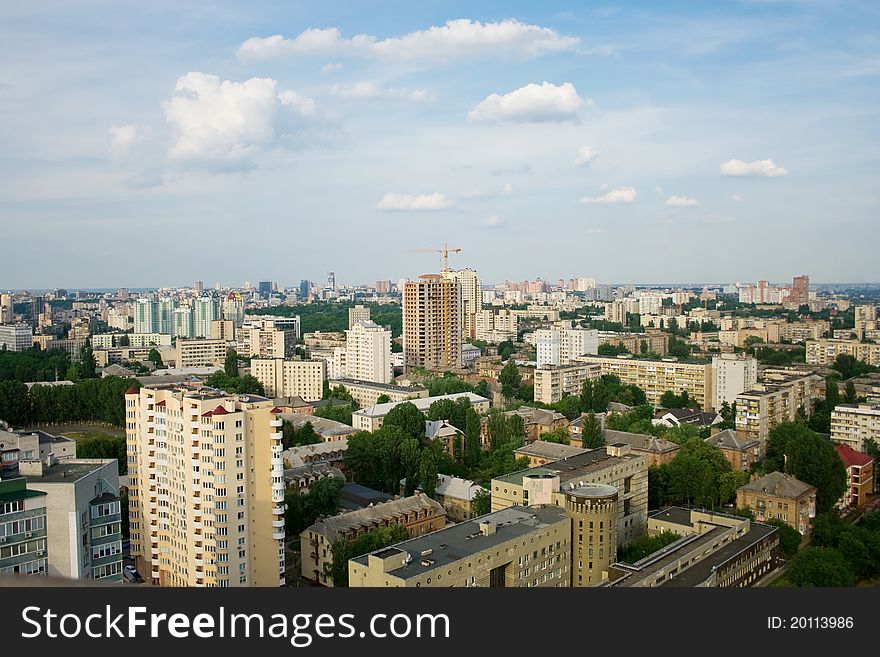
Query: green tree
[[383, 399], [826, 529], [472, 446], [861, 549], [428, 473], [569, 406], [155, 357], [819, 566], [408, 417], [410, 459], [104, 447], [230, 365], [482, 503], [343, 550], [849, 394], [610, 350], [506, 349], [305, 435], [592, 432], [87, 363], [482, 389], [789, 538], [502, 429], [832, 391], [510, 379]]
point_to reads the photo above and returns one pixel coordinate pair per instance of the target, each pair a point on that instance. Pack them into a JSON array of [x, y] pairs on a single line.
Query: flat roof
[[456, 542], [571, 467], [68, 472], [378, 386]]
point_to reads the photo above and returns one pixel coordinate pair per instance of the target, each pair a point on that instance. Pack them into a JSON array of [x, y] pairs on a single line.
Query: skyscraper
[[471, 298], [146, 316], [165, 316], [331, 281], [264, 288], [205, 311], [432, 333], [304, 288]]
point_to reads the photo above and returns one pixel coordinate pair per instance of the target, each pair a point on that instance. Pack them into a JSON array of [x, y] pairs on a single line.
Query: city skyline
[[544, 139]]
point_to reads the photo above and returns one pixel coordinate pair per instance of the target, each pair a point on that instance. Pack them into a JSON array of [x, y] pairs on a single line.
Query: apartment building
[[496, 325], [771, 402], [222, 329], [146, 316], [715, 550], [16, 446], [655, 342], [16, 337], [512, 547], [457, 497], [206, 487], [561, 344], [779, 496], [358, 313], [367, 393], [418, 514], [616, 311], [853, 424], [290, 377], [200, 353], [83, 515], [614, 465], [111, 340], [368, 352], [825, 352], [266, 336], [658, 376], [656, 451], [23, 533], [553, 382], [371, 418], [432, 323], [471, 295], [859, 477], [740, 451], [801, 331], [732, 374]]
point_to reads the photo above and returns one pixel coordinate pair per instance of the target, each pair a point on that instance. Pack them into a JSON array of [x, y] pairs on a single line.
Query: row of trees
[[88, 400], [104, 447], [37, 365], [334, 316], [840, 554]]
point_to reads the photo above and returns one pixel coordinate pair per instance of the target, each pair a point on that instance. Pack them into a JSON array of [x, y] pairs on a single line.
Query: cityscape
[[454, 295]]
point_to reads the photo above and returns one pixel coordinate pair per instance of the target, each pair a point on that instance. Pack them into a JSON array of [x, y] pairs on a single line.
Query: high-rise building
[[199, 286], [205, 310], [471, 298], [264, 289], [357, 313], [616, 312], [16, 337], [233, 309], [432, 333], [206, 487], [165, 316], [146, 316], [561, 344], [22, 529], [732, 374], [331, 281], [368, 352], [290, 377], [183, 326], [382, 287], [800, 290], [7, 312], [304, 289]]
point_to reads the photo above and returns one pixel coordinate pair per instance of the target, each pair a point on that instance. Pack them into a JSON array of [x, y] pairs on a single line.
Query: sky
[[157, 143]]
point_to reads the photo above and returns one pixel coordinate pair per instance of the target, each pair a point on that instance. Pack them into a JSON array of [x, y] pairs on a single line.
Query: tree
[[383, 399], [104, 447], [410, 459], [832, 391], [560, 436], [592, 432], [510, 379], [230, 365], [861, 549], [428, 473], [155, 357], [819, 566], [503, 429], [594, 395], [826, 529], [789, 538], [847, 366], [377, 539], [305, 435], [87, 362], [670, 400], [482, 389], [610, 350], [472, 446], [699, 475], [569, 406], [482, 503], [408, 417], [506, 349], [849, 394], [244, 385]]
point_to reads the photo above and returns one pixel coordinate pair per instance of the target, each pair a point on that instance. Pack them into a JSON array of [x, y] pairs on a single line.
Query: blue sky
[[149, 144]]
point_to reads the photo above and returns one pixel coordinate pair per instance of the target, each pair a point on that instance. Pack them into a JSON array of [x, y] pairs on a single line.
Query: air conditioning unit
[[29, 534], [2, 539]]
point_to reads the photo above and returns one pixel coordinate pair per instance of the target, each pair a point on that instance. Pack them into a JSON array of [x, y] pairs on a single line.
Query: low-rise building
[[853, 424], [371, 417], [23, 529], [676, 417], [656, 451], [200, 353], [825, 352], [367, 393], [553, 382], [779, 496], [457, 497], [535, 422], [418, 514], [859, 477], [541, 452], [741, 451]]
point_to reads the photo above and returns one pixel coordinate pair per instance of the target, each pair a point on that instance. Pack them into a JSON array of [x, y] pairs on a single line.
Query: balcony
[[275, 422], [279, 524], [278, 535], [278, 510]]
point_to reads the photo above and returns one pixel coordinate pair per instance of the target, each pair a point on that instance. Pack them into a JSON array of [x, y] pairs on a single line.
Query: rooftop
[[548, 450], [456, 542], [851, 457], [778, 484], [68, 472], [393, 510], [572, 467], [641, 442], [729, 439], [381, 410], [377, 386]]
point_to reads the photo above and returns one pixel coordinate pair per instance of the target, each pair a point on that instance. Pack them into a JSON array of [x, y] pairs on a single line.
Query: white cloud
[[738, 198], [594, 231], [681, 202], [758, 168], [507, 190], [124, 137], [331, 67], [585, 156], [455, 39], [494, 221], [659, 190], [224, 120], [392, 201], [370, 90], [531, 103], [619, 195]]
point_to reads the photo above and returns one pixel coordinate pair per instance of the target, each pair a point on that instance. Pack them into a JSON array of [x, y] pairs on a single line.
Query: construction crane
[[445, 251]]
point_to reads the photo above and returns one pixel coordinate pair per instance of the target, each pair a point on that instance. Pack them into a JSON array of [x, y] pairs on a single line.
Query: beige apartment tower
[[432, 323], [471, 292], [206, 487]]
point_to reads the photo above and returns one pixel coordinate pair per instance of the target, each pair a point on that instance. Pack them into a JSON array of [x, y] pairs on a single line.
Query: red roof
[[276, 410], [220, 411], [851, 457], [207, 414], [131, 391], [161, 403]]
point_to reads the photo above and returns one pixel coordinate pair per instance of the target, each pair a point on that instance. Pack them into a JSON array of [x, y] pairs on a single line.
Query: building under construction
[[432, 323]]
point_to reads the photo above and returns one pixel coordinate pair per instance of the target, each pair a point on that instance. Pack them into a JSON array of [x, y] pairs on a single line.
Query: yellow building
[[200, 353], [779, 496], [772, 402], [825, 352], [432, 323], [553, 382], [206, 487], [290, 377], [853, 424]]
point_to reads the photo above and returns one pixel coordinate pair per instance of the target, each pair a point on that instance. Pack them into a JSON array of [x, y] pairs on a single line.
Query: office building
[[304, 290], [23, 534], [513, 547], [16, 337], [432, 323], [264, 289], [561, 344], [779, 496], [206, 487], [83, 515], [732, 374], [471, 297], [553, 382], [368, 352], [290, 377], [854, 424], [418, 514]]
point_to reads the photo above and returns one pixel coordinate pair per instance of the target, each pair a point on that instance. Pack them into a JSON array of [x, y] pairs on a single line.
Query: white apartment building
[[553, 382], [356, 314], [650, 304], [146, 316], [496, 325], [16, 337], [206, 487], [853, 424], [825, 352], [200, 353], [7, 309], [732, 374], [616, 311], [289, 377], [561, 344], [471, 295], [183, 324], [368, 352], [205, 311]]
